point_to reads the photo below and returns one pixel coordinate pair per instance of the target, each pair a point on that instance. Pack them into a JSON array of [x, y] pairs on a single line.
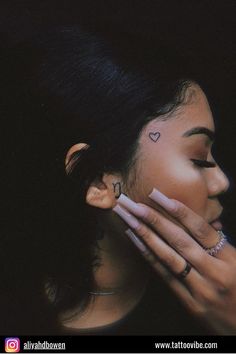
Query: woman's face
[[166, 151]]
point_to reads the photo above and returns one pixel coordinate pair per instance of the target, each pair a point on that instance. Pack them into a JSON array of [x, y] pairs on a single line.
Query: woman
[[96, 133]]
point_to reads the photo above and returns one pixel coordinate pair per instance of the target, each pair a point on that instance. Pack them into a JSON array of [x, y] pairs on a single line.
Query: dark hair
[[69, 86]]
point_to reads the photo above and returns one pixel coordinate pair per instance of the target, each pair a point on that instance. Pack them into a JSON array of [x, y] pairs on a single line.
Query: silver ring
[[185, 272], [212, 251]]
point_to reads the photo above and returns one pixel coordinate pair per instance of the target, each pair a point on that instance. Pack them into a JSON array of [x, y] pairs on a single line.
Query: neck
[[123, 274]]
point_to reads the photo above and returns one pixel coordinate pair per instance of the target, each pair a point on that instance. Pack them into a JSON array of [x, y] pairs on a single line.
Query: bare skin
[[166, 163]]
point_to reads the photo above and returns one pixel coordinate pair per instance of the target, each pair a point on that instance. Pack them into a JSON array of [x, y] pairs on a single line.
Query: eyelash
[[203, 163]]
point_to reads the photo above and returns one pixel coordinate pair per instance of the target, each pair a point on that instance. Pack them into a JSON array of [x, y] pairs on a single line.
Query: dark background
[[203, 31]]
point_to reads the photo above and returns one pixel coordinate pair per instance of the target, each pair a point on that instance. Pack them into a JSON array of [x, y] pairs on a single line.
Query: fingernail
[[131, 205], [139, 244], [126, 216], [161, 199]]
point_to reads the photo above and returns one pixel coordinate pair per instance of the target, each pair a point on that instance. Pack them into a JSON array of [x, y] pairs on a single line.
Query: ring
[[185, 272], [212, 251]]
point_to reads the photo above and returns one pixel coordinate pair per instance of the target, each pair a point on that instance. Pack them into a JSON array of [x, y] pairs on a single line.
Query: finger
[[168, 276], [157, 245], [214, 276], [204, 233], [183, 244], [198, 288], [156, 249], [210, 267]]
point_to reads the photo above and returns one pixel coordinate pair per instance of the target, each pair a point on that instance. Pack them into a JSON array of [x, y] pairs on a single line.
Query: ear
[[103, 192], [74, 148]]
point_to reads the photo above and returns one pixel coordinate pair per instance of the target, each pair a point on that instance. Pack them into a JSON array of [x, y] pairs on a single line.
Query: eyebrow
[[200, 130]]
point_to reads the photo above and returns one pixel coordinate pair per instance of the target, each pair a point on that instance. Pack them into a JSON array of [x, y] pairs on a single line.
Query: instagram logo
[[12, 345]]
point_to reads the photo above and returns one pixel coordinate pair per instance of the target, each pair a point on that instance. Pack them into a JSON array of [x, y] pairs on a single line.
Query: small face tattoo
[[117, 189], [154, 136]]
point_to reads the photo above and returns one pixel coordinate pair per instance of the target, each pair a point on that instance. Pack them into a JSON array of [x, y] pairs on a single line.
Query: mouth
[[216, 223]]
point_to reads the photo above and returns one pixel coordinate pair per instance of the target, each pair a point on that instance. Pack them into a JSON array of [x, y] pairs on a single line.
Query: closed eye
[[204, 163]]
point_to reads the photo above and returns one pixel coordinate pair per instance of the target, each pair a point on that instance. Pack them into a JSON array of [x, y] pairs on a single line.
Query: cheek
[[177, 179]]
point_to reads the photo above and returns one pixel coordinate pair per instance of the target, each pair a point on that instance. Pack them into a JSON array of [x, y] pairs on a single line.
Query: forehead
[[195, 113]]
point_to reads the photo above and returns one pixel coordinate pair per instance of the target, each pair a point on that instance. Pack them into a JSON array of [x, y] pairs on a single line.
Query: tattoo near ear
[[154, 136], [117, 189]]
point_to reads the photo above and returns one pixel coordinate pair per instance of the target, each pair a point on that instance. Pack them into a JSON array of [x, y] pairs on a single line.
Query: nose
[[218, 182]]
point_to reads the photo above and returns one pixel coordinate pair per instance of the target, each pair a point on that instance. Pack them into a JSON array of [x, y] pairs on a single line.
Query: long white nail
[[126, 216], [139, 244], [161, 199], [131, 205]]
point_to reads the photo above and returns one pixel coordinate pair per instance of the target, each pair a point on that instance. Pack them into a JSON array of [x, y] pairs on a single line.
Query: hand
[[177, 245]]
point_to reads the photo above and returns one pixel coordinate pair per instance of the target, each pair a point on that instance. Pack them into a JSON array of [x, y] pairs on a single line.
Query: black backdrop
[[204, 30]]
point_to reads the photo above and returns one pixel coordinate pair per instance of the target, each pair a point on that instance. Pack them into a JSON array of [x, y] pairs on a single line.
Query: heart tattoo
[[154, 136]]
